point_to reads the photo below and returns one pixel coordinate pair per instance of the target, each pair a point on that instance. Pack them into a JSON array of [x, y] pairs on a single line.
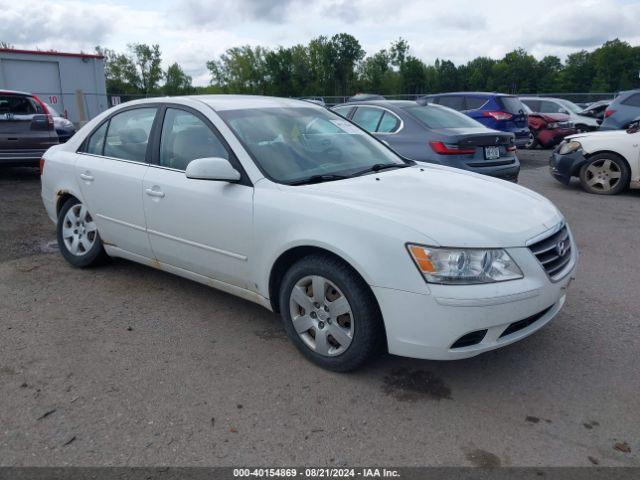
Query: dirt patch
[[271, 333], [412, 385], [483, 459]]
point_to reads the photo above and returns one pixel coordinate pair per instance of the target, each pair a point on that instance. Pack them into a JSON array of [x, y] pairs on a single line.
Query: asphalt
[[126, 365]]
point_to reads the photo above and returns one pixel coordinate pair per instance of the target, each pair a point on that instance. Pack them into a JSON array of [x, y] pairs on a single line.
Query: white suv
[[286, 204]]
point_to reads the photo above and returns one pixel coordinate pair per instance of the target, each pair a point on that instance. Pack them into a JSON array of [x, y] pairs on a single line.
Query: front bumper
[[549, 138], [429, 326], [563, 167]]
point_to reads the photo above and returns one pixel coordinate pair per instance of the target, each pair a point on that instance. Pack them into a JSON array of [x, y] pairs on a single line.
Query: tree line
[[339, 66]]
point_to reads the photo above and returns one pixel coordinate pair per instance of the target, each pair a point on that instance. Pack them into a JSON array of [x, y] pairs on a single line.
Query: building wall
[[56, 79]]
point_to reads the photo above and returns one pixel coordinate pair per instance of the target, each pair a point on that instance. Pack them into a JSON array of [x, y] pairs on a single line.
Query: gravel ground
[[126, 365]]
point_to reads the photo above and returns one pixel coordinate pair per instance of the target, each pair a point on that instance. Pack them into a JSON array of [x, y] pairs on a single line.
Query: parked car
[[547, 129], [64, 127], [623, 111], [596, 109], [606, 162], [289, 205], [436, 134], [494, 110], [560, 105], [26, 129]]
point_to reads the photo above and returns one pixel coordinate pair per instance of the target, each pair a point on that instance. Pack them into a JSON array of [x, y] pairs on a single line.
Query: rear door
[[110, 169], [24, 124]]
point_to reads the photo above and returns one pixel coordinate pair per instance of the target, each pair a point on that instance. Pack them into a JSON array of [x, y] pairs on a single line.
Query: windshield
[[433, 116], [293, 144], [572, 107]]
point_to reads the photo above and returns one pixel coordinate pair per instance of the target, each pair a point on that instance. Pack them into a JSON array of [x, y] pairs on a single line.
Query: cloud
[[191, 32]]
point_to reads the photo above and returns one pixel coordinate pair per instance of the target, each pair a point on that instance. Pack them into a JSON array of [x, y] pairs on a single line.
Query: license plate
[[491, 153]]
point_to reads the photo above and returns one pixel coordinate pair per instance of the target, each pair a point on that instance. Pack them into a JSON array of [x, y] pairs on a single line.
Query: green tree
[[147, 60], [177, 82], [346, 52], [120, 72]]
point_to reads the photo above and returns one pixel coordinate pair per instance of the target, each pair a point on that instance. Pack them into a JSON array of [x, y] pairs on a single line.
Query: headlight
[[569, 147], [552, 125], [464, 266]]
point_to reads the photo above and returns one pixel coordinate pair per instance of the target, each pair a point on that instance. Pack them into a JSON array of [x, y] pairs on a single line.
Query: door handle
[[87, 177], [154, 193]]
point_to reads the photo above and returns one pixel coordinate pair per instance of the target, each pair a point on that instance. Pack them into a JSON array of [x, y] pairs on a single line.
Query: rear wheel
[[330, 313], [605, 174], [78, 237]]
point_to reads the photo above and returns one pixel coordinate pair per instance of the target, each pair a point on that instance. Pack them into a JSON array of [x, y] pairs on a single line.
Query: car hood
[[449, 206], [599, 135]]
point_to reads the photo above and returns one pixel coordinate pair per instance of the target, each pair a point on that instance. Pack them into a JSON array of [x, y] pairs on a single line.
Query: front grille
[[565, 124], [522, 324], [469, 339], [554, 252]]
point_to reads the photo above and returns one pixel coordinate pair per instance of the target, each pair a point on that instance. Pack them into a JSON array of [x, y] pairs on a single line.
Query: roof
[[232, 102], [469, 93], [50, 53], [15, 92], [380, 103]]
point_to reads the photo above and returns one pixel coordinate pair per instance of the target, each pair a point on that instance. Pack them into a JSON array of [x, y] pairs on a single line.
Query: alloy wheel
[[321, 315], [79, 232], [603, 175]]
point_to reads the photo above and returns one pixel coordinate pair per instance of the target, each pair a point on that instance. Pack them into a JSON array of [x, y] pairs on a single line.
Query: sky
[[191, 32]]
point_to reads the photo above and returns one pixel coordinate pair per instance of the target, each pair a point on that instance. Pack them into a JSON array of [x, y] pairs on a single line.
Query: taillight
[[608, 113], [441, 149], [511, 148], [41, 165], [45, 110], [498, 115]]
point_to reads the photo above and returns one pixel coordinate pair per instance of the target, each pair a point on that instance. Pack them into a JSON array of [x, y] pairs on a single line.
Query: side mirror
[[214, 168]]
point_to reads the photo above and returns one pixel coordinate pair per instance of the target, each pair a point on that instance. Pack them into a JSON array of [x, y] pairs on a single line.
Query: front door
[[199, 225]]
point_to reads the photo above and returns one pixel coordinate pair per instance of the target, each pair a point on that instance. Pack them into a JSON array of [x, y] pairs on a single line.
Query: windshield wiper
[[327, 177], [376, 167]]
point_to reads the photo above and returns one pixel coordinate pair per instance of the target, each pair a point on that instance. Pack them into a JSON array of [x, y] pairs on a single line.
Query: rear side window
[[453, 101], [368, 118], [185, 137], [511, 104], [17, 105], [473, 103], [389, 123], [128, 134], [433, 116], [95, 145], [633, 100]]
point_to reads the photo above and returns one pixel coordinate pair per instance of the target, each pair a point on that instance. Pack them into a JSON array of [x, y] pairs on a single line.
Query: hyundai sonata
[[286, 204]]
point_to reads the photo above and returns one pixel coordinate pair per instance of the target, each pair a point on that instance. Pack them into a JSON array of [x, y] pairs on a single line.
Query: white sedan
[[286, 204], [606, 162]]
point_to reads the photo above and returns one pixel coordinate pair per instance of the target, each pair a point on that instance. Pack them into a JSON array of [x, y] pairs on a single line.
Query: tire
[[605, 174], [76, 227], [532, 142], [359, 334]]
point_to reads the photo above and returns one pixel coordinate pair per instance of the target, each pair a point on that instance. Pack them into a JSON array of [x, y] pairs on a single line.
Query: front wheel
[[78, 237], [605, 174], [532, 142], [330, 313]]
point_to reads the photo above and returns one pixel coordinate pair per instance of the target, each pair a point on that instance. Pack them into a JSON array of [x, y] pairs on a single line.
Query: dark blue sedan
[[435, 134]]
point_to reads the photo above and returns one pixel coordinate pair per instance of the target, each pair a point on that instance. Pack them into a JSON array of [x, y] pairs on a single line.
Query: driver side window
[[185, 138]]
